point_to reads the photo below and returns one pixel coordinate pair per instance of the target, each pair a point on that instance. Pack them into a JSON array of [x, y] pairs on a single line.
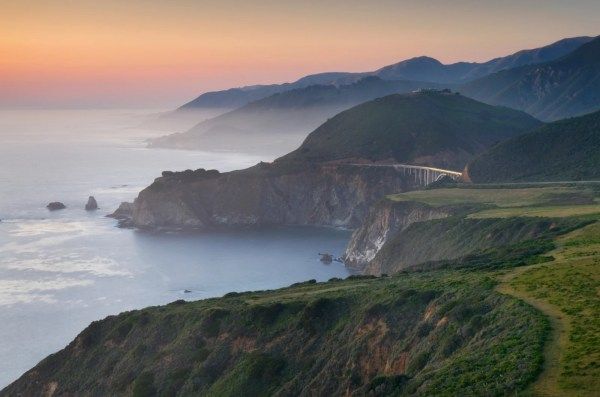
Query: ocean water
[[61, 270]]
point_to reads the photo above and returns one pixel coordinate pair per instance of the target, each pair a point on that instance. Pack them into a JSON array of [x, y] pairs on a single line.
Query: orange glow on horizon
[[56, 52]]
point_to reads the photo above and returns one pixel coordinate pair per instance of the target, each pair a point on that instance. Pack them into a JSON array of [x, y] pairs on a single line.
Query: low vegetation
[[493, 226], [452, 129], [466, 242], [571, 283], [482, 318], [503, 196], [565, 150], [544, 211], [443, 333]]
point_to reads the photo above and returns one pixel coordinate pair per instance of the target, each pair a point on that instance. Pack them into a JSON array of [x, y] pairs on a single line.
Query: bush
[[144, 385]]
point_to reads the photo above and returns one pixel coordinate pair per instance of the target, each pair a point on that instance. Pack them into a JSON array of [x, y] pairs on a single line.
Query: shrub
[[144, 385]]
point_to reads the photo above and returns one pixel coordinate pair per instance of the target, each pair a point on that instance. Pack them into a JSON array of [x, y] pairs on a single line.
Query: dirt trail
[[546, 384], [579, 250]]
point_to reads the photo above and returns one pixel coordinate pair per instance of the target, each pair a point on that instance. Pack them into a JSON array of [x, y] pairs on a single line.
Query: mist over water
[[61, 270]]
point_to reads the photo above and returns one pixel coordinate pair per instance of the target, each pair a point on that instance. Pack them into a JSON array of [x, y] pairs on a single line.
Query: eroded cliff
[[384, 221], [299, 194]]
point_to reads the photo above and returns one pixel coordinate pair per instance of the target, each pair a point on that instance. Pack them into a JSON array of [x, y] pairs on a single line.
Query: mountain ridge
[[565, 87], [450, 73]]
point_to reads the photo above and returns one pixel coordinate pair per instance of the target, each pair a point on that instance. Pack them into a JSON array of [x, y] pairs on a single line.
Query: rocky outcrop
[[125, 211], [124, 215], [56, 205], [91, 204], [299, 194], [384, 221]]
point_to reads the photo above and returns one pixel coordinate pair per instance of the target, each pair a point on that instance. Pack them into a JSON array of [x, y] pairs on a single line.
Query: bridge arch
[[423, 175]]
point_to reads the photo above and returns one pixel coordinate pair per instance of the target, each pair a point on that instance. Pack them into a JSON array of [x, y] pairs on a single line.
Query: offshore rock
[[56, 205], [91, 204]]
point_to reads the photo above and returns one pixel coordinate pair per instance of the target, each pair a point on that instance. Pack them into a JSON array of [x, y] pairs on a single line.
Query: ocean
[[61, 270]]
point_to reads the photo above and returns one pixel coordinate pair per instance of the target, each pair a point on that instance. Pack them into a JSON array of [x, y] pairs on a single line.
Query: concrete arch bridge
[[422, 175]]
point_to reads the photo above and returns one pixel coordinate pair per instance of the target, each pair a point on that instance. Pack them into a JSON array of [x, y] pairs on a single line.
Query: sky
[[160, 54]]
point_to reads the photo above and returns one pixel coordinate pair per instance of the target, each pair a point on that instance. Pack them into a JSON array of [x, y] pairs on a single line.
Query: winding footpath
[[546, 384], [565, 290]]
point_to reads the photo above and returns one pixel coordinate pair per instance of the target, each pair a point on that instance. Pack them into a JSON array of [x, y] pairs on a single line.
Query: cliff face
[[384, 221], [458, 241], [322, 195]]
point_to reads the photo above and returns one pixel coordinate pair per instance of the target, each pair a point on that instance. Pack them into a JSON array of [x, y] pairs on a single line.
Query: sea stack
[[91, 204], [56, 205]]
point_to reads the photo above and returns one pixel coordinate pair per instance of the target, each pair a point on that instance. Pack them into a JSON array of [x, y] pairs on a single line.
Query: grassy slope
[[501, 197], [564, 286], [479, 243], [524, 219], [405, 128], [572, 284], [567, 291], [555, 211], [561, 151], [442, 333]]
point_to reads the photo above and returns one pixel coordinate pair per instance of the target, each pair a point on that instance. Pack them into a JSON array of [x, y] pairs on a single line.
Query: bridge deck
[[410, 166]]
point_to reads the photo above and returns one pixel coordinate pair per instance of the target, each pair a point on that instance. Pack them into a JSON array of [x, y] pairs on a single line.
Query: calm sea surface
[[61, 270]]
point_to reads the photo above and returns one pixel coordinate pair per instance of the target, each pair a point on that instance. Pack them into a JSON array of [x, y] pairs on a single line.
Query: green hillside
[[283, 120], [447, 335], [566, 87], [562, 151], [435, 128], [515, 314]]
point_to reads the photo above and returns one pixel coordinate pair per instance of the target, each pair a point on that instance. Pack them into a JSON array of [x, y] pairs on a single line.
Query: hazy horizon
[[111, 55]]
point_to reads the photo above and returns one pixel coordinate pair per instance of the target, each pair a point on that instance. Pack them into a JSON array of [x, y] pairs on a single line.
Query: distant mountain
[[416, 69], [565, 87], [279, 123], [237, 97], [528, 57], [435, 128], [565, 150], [426, 69]]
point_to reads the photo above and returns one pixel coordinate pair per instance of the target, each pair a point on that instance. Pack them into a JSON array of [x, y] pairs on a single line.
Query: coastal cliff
[[449, 227], [336, 195], [385, 220]]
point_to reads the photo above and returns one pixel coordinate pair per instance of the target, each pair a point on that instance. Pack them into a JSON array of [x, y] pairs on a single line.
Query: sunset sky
[[162, 53]]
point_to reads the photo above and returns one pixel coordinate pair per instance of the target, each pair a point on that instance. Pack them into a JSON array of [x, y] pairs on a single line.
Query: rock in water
[[56, 205], [91, 204], [326, 258]]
